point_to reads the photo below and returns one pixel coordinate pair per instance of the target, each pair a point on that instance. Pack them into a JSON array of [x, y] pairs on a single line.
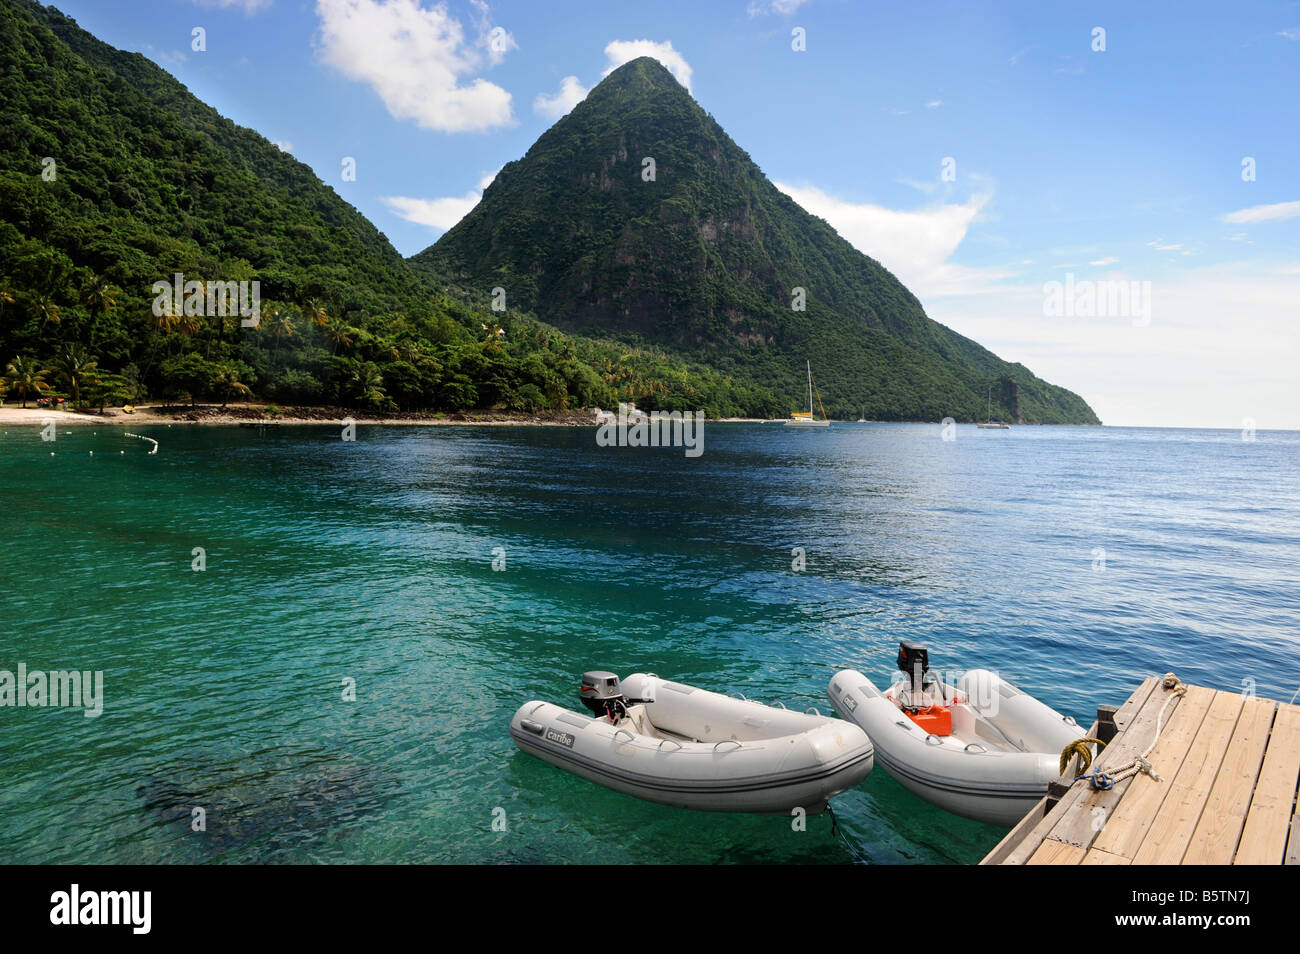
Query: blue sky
[[1110, 166]]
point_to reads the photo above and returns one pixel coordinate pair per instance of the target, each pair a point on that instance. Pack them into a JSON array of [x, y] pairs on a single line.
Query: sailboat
[[805, 418], [992, 424]]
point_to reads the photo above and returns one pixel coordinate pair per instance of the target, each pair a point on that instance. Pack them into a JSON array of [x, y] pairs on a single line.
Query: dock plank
[[1084, 811], [1215, 840], [1056, 853], [1230, 774], [1129, 711], [1127, 824], [1169, 834], [1264, 836], [1096, 856], [1017, 835], [1022, 852]]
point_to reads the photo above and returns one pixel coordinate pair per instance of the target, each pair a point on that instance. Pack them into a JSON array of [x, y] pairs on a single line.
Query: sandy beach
[[146, 415], [13, 415]]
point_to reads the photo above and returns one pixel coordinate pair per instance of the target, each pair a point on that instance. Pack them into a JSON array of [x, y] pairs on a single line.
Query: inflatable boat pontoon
[[684, 746], [982, 748]]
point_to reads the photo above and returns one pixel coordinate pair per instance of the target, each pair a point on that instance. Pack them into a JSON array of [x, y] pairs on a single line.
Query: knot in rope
[[1101, 781]]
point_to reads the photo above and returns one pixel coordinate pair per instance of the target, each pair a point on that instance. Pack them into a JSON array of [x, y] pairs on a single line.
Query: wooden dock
[[1229, 766]]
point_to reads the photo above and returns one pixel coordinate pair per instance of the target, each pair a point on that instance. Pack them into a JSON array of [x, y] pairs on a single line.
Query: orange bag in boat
[[936, 720]]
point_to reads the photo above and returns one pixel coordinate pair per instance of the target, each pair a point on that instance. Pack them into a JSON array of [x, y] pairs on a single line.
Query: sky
[[1106, 193]]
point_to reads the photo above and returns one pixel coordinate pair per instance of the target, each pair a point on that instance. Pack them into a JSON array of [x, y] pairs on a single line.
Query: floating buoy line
[[154, 450]]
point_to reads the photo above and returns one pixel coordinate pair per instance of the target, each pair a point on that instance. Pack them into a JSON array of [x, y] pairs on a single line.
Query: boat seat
[[641, 719]]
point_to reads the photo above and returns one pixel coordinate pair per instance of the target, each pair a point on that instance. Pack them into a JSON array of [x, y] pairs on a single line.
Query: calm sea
[[1074, 561]]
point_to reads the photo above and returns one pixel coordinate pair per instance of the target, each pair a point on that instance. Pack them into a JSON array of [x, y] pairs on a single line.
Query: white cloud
[[1220, 346], [1159, 246], [759, 8], [934, 104], [440, 213], [248, 6], [418, 60], [170, 57], [623, 51], [284, 145], [914, 245], [570, 94], [929, 186], [1292, 34], [1264, 213], [496, 40]]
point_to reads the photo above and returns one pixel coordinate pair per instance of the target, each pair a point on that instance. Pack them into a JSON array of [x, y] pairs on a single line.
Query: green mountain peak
[[637, 217]]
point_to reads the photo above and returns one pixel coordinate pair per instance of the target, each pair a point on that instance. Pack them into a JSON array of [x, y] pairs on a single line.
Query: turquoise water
[[372, 560]]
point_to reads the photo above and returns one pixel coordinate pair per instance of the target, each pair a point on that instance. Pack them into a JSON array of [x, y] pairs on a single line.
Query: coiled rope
[[1080, 748], [1103, 781]]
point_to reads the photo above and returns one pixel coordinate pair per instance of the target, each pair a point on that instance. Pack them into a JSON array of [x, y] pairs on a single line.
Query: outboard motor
[[602, 694], [914, 659]]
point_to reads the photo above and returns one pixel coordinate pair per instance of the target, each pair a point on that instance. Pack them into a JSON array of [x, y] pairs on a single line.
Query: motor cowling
[[602, 695], [914, 659]]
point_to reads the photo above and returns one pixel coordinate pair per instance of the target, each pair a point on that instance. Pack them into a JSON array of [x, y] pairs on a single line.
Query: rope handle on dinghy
[[724, 742], [630, 736], [1103, 782]]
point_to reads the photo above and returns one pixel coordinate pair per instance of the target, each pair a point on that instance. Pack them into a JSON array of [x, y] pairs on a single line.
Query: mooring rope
[[1103, 781], [837, 831], [1080, 748]]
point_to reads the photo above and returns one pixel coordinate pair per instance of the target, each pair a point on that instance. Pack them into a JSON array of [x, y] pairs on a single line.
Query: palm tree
[[165, 322], [46, 310], [24, 376], [189, 325], [368, 384], [100, 296], [278, 324], [339, 334], [226, 382], [74, 365], [399, 351], [315, 312]]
